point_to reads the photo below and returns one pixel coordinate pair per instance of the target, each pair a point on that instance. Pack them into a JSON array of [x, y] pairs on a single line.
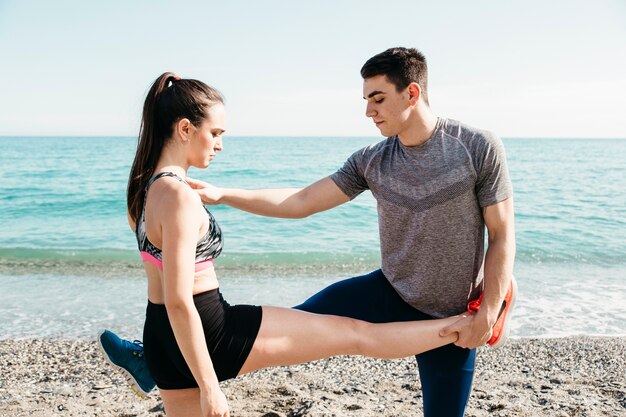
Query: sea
[[69, 264]]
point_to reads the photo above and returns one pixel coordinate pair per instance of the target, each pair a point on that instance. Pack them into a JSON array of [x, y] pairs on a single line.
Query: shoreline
[[134, 269], [571, 376]]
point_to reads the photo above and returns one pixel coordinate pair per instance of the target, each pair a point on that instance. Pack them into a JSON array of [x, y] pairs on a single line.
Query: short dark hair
[[402, 66]]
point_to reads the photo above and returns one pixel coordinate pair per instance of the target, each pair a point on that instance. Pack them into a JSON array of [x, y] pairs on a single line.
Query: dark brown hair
[[170, 99], [402, 66]]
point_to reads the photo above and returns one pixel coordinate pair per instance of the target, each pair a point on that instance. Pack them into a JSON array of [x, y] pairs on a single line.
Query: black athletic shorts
[[229, 331]]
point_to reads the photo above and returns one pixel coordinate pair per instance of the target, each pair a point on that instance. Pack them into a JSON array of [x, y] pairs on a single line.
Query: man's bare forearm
[[280, 202], [499, 259], [291, 203], [498, 272]]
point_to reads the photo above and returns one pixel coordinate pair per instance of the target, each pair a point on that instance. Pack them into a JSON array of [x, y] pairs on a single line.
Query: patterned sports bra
[[208, 248]]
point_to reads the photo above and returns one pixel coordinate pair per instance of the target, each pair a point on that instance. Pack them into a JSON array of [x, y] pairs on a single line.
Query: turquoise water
[[68, 263]]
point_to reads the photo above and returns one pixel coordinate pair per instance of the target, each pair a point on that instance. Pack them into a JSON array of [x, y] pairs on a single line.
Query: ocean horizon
[[69, 264]]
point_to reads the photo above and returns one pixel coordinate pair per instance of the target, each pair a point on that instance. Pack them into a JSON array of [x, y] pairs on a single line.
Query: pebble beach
[[578, 376]]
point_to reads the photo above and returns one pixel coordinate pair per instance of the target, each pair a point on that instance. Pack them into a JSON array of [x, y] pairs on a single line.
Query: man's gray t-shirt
[[430, 199]]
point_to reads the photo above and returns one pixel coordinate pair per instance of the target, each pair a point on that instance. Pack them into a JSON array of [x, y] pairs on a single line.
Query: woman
[[192, 337]]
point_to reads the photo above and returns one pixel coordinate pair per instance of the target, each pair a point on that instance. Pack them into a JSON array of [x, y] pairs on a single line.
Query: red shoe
[[500, 330]]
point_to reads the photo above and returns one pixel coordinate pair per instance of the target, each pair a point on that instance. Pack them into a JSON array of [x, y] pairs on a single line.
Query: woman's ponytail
[[149, 146]]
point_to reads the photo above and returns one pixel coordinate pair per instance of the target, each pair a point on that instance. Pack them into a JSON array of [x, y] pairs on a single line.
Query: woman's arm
[[180, 225]]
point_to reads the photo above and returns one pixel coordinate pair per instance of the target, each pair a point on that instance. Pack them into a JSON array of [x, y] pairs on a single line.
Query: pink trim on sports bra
[[200, 266]]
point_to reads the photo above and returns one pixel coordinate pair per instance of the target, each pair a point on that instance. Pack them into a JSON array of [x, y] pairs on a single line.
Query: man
[[437, 183]]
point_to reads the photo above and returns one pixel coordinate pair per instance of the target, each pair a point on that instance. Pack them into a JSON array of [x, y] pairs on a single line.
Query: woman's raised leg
[[289, 336]]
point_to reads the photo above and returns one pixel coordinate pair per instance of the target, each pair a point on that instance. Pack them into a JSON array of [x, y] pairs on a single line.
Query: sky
[[529, 68]]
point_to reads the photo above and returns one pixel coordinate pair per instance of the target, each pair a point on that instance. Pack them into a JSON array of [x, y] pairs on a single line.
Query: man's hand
[[473, 330], [209, 194]]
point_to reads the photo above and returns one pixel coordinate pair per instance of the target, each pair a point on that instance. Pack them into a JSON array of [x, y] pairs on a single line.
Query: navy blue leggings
[[446, 373]]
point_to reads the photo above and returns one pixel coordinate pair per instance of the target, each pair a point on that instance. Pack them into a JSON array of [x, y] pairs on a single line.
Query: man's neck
[[421, 128]]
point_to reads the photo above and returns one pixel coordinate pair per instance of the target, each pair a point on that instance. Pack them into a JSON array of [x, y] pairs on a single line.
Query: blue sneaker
[[128, 358]]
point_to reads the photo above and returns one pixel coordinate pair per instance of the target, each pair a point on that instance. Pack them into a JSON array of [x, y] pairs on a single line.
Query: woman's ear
[[184, 129]]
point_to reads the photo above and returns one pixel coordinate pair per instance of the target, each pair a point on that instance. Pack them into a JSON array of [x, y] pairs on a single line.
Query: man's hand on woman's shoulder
[[209, 194]]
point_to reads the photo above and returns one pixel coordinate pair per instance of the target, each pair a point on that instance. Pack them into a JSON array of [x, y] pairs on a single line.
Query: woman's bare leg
[[289, 336], [181, 402]]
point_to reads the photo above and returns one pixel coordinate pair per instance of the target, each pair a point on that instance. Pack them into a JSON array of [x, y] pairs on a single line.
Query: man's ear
[[415, 92]]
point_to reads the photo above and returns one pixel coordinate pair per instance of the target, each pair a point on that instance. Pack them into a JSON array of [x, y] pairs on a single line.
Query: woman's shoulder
[[173, 194]]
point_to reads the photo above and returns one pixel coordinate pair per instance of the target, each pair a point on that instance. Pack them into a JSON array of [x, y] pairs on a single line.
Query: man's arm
[[500, 221], [281, 202]]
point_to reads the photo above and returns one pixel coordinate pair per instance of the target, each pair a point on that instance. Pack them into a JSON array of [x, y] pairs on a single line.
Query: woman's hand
[[209, 194], [213, 403]]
